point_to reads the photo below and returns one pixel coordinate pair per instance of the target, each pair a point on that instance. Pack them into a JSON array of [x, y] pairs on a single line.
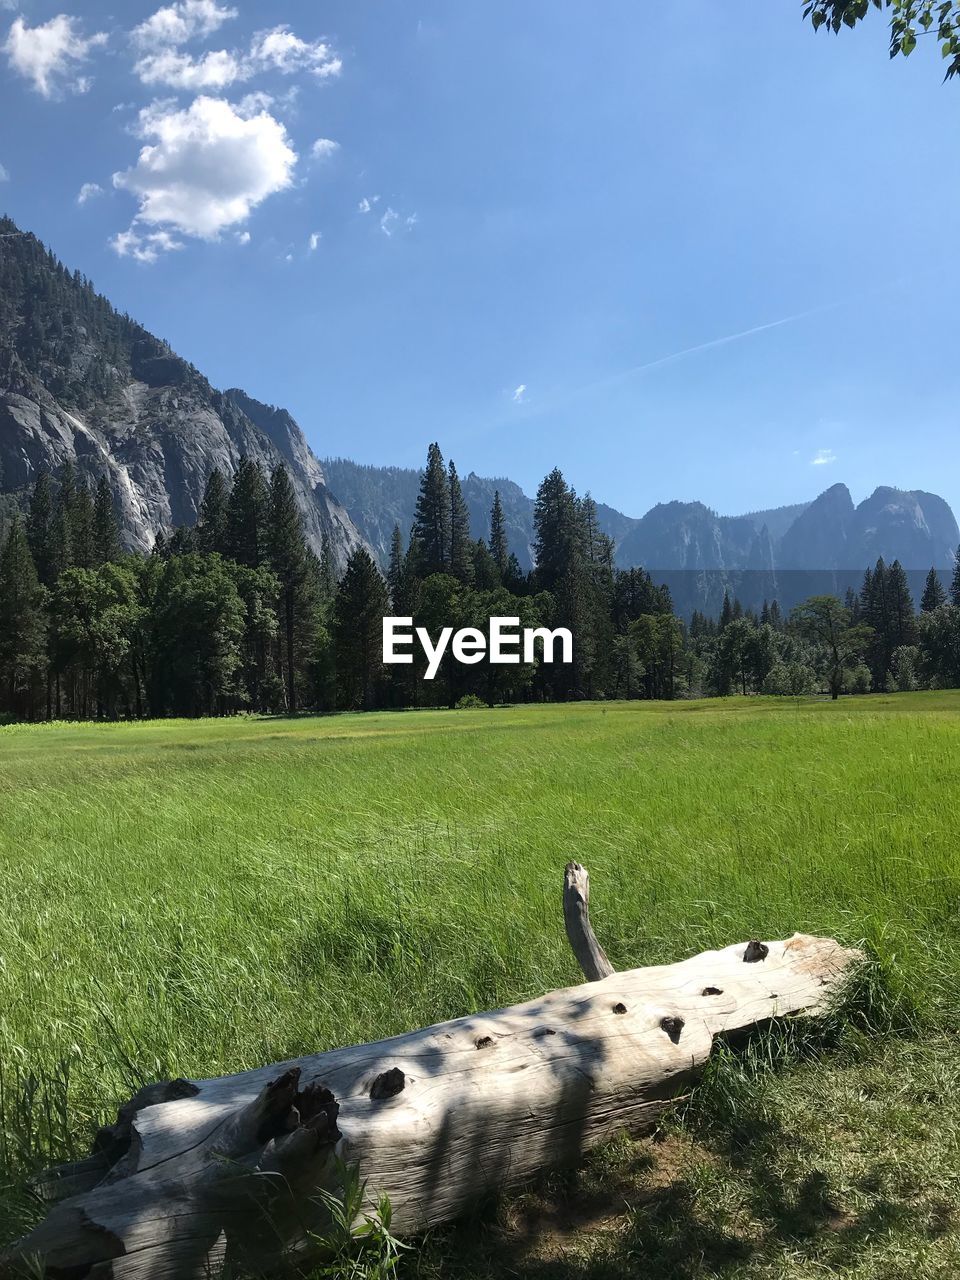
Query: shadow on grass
[[741, 1182]]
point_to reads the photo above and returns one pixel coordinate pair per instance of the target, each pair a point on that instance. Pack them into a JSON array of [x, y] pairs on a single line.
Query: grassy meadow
[[189, 898]]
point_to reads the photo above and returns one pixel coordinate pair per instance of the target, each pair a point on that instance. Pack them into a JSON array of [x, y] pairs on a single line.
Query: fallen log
[[199, 1175]]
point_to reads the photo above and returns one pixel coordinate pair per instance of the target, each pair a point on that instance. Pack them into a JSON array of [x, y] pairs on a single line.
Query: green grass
[[187, 898]]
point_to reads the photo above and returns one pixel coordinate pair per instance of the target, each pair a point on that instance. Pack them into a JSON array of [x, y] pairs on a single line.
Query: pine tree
[[564, 569], [22, 625], [886, 606], [726, 612], [81, 527], [499, 547], [933, 593], [212, 517], [40, 529], [289, 559], [431, 532], [598, 546], [486, 575], [106, 528], [326, 574], [955, 581], [359, 609], [874, 613], [902, 613], [514, 579], [245, 533], [461, 547], [62, 527], [181, 542], [558, 530], [396, 572]]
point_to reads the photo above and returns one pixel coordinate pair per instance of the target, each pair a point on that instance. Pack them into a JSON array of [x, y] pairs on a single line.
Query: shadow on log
[[196, 1175]]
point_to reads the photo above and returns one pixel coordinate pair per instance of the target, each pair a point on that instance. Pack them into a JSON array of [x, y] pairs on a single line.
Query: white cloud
[[823, 458], [145, 246], [390, 219], [163, 62], [243, 237], [50, 54], [177, 23], [367, 203], [252, 104], [215, 70], [323, 148], [206, 167], [315, 238], [281, 50], [519, 393], [4, 175], [387, 221], [88, 191]]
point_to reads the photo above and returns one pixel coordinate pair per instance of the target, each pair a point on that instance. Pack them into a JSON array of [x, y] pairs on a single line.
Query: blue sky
[[497, 225]]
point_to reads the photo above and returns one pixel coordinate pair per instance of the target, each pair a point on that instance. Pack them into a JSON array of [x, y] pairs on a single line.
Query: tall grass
[[187, 898]]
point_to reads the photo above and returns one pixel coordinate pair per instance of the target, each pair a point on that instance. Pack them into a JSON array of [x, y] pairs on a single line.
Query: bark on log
[[198, 1174]]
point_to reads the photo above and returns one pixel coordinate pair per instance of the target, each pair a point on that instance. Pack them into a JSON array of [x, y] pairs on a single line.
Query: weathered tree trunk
[[196, 1174]]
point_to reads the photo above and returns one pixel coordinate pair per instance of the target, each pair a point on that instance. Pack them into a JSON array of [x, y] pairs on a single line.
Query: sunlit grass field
[[189, 898]]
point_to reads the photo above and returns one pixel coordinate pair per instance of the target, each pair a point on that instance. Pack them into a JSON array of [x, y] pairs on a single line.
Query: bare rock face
[[157, 446], [907, 525], [80, 383]]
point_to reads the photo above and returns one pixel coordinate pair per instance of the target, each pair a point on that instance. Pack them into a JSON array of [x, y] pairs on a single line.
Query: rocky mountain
[[79, 381], [688, 535]]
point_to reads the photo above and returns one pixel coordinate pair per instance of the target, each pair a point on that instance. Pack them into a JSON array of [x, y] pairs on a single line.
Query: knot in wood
[[755, 951], [388, 1084], [673, 1027]]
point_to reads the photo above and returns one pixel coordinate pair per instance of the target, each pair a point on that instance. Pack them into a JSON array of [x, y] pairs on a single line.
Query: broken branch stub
[[576, 918], [200, 1174]]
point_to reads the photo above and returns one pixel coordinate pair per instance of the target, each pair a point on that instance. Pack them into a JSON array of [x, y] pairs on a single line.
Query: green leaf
[[908, 43]]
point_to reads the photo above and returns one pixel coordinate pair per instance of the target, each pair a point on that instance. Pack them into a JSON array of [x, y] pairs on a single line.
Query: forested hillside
[[82, 384]]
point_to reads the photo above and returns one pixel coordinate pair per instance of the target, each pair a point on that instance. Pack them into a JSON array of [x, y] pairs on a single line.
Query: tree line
[[238, 613]]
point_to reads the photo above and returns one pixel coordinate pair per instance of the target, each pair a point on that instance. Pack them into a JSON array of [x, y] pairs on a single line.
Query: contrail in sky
[[552, 401], [707, 346]]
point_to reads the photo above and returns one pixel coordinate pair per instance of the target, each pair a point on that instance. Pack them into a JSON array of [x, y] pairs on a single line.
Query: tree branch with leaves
[[909, 19]]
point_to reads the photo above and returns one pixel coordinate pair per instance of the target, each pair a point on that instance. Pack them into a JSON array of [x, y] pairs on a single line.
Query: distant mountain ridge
[[829, 533]]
